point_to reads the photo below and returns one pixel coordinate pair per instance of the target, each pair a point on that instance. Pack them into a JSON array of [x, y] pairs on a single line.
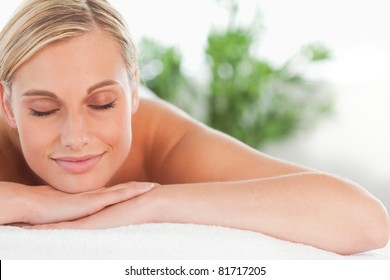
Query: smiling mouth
[[78, 165]]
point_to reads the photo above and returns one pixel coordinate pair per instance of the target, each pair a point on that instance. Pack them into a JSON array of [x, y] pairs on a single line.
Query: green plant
[[248, 97], [253, 100]]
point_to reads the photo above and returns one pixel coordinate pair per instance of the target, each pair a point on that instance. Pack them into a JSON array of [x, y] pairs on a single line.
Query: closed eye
[[36, 113], [104, 106]]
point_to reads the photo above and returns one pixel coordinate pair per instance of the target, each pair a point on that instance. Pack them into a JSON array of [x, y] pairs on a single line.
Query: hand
[[138, 210], [52, 206]]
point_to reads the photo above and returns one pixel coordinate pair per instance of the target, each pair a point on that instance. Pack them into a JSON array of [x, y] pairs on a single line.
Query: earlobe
[[6, 109]]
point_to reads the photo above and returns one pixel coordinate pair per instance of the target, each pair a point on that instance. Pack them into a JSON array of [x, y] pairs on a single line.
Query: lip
[[78, 165]]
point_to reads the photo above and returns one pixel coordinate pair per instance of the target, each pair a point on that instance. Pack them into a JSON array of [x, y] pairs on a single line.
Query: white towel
[[158, 241]]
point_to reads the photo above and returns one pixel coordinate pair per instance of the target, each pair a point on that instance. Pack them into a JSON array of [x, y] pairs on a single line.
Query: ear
[[6, 108], [134, 94]]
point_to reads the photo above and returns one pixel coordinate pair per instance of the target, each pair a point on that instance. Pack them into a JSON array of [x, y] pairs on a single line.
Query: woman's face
[[72, 106]]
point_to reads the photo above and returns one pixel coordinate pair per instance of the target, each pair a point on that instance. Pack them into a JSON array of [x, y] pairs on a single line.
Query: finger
[[129, 185], [119, 193], [128, 191], [138, 187]]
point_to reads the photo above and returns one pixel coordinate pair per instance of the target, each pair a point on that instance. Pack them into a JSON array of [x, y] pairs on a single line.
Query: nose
[[74, 133]]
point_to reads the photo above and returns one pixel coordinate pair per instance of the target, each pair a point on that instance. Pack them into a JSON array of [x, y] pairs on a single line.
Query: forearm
[[314, 209]]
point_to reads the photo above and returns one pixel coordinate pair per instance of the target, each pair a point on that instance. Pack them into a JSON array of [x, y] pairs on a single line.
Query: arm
[[310, 208]]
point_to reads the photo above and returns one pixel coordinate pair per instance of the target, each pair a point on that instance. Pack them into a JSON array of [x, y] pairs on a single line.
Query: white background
[[355, 142]]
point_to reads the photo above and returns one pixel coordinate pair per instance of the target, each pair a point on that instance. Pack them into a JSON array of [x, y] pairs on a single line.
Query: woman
[[80, 148]]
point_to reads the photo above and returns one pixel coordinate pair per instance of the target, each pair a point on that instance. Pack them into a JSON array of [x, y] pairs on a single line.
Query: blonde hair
[[38, 23]]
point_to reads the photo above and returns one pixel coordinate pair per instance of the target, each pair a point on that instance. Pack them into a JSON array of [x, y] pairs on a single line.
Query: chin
[[78, 184]]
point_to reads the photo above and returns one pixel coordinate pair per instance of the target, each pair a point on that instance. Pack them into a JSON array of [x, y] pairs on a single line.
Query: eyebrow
[[100, 85], [37, 92]]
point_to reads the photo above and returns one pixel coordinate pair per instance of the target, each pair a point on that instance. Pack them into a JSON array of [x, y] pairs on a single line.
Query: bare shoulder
[[180, 149], [157, 128]]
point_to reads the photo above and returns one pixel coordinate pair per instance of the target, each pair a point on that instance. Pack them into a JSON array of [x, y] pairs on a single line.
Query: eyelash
[[36, 113], [104, 107], [107, 106]]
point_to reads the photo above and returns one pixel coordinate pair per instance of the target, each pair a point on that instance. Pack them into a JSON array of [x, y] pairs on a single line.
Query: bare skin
[[199, 175]]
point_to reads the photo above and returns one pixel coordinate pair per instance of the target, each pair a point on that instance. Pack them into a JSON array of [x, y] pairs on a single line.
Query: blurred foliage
[[161, 71], [161, 68], [247, 97]]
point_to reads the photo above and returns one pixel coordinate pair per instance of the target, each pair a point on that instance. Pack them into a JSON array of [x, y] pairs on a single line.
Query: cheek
[[33, 137], [120, 133], [114, 131], [35, 141]]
